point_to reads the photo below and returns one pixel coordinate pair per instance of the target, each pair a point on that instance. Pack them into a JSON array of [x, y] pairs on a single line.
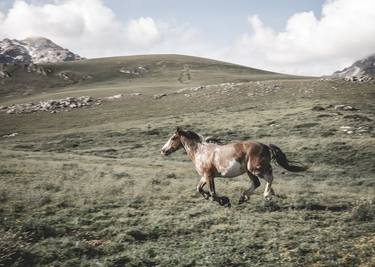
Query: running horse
[[230, 160]]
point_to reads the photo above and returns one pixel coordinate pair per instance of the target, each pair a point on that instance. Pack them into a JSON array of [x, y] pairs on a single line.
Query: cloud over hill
[[309, 44]]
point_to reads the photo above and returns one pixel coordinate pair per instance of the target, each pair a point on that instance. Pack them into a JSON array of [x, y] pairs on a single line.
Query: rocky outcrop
[[51, 106], [34, 50], [4, 71], [7, 69], [72, 76], [134, 71]]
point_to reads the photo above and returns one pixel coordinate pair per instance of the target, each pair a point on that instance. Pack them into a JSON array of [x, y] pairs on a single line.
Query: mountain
[[34, 50], [363, 67]]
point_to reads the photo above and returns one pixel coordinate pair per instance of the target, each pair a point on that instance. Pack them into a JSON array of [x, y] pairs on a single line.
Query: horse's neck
[[191, 148]]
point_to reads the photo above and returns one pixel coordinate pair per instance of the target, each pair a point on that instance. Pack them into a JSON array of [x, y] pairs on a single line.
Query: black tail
[[281, 160]]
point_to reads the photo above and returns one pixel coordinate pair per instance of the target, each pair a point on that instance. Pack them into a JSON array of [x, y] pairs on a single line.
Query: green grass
[[89, 187]]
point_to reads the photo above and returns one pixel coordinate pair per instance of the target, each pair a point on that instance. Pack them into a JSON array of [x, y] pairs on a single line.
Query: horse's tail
[[281, 159]]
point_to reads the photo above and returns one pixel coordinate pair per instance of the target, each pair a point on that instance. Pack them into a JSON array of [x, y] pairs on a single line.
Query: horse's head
[[173, 143]]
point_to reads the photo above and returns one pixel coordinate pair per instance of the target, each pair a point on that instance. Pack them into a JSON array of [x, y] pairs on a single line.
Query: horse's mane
[[192, 136], [199, 138]]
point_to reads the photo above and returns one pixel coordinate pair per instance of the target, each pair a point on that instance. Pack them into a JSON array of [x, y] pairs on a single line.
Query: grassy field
[[89, 187]]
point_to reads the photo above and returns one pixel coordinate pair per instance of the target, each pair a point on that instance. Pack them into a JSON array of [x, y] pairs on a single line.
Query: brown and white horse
[[213, 160]]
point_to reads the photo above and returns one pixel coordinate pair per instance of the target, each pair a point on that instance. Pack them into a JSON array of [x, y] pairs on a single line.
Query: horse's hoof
[[268, 198], [224, 201], [242, 200]]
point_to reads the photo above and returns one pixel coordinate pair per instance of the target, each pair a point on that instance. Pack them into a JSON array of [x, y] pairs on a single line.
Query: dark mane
[[191, 135]]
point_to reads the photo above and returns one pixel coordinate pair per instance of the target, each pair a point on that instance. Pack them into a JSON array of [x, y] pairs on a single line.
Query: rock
[[53, 106], [134, 71], [4, 71], [344, 107], [351, 130], [38, 69], [10, 135], [317, 108], [357, 117], [4, 74], [160, 96], [114, 97]]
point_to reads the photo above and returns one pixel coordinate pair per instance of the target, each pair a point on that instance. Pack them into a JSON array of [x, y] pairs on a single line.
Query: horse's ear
[[178, 130]]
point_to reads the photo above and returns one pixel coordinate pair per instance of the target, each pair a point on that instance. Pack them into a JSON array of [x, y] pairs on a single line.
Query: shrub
[[13, 247], [364, 211]]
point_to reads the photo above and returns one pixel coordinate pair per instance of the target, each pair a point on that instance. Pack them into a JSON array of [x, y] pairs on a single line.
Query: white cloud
[[143, 31], [91, 29], [310, 45]]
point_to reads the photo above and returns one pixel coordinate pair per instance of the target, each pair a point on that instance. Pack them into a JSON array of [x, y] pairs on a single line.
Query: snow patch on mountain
[[34, 50]]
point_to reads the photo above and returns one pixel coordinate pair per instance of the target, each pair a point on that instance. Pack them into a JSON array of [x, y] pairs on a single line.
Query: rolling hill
[[124, 73]]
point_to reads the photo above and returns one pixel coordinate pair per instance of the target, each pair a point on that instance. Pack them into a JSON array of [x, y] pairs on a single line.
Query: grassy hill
[[89, 186], [122, 74]]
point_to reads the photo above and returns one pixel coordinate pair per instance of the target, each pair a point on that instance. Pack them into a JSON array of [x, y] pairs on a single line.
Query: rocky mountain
[[34, 50], [360, 69]]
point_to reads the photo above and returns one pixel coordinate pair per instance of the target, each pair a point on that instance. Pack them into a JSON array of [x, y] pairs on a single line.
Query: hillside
[[87, 186], [123, 73]]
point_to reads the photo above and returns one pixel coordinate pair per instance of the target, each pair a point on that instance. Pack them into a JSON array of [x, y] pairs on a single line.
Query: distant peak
[[36, 39], [34, 49], [362, 67]]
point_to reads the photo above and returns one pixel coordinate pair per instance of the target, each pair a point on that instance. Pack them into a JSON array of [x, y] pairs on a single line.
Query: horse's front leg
[[221, 200], [200, 189]]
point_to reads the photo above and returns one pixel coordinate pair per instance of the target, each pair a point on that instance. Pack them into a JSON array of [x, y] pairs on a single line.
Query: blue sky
[[221, 20], [311, 37]]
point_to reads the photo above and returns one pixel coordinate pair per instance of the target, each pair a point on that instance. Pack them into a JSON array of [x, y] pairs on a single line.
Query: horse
[[212, 159]]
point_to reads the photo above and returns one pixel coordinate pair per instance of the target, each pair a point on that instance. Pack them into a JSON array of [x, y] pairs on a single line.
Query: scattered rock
[[134, 71], [135, 94], [359, 79], [347, 129], [95, 243], [160, 96], [73, 76], [358, 117], [114, 97], [344, 107], [359, 130], [317, 108], [52, 106], [4, 71], [190, 89], [38, 69], [10, 135]]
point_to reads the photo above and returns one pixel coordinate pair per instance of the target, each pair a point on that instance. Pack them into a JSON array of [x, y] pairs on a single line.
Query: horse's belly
[[233, 169]]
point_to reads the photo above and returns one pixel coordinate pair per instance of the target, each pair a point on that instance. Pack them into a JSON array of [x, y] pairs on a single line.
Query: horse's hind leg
[[268, 191], [254, 184]]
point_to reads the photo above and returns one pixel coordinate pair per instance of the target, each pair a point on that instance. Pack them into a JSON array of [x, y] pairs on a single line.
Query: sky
[[306, 37]]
